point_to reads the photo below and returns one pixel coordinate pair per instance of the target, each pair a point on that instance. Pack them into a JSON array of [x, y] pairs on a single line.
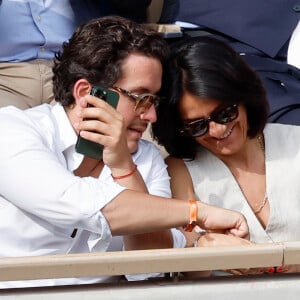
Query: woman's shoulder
[[176, 165], [279, 126], [283, 137], [284, 131]]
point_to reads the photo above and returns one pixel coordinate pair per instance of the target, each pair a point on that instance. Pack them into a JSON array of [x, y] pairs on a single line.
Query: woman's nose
[[216, 129]]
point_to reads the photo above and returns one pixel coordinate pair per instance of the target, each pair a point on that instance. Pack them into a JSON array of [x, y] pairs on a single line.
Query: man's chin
[[133, 147]]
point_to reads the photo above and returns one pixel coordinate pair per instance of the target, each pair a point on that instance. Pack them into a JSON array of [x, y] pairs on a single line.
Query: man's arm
[[135, 212], [151, 240]]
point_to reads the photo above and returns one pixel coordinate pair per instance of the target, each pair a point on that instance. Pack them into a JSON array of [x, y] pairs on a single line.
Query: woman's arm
[[149, 240], [182, 188]]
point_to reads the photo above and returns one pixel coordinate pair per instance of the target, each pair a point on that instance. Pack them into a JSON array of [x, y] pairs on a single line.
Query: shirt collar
[[67, 137], [67, 134]]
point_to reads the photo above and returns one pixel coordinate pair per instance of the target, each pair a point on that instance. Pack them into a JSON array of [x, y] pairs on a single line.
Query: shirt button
[[42, 49], [39, 18]]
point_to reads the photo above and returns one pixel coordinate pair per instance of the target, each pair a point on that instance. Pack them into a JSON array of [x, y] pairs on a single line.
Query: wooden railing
[[148, 261]]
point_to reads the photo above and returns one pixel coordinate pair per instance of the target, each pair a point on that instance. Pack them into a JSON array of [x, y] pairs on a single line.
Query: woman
[[221, 150]]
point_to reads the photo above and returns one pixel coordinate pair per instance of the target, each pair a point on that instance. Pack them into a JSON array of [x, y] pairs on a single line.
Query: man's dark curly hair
[[96, 51]]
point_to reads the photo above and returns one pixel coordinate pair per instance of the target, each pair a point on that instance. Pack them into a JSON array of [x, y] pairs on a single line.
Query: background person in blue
[[266, 33], [32, 31]]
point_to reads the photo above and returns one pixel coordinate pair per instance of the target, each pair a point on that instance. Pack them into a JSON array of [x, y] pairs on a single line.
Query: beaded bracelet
[[126, 175], [193, 216]]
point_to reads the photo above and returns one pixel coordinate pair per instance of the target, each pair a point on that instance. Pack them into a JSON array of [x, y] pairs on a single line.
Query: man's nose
[[149, 115]]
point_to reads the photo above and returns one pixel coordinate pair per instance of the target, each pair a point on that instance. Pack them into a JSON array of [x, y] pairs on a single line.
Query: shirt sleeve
[[34, 177], [153, 169]]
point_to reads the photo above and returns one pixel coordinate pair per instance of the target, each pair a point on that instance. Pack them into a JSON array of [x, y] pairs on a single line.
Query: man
[[55, 200]]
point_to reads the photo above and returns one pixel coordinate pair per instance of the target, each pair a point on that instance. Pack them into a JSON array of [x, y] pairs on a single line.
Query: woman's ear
[[81, 88]]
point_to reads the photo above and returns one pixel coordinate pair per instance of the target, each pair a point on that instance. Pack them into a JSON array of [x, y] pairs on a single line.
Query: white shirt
[[293, 55], [42, 201], [214, 184]]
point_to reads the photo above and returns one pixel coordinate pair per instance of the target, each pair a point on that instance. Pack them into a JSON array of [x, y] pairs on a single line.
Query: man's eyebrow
[[139, 90]]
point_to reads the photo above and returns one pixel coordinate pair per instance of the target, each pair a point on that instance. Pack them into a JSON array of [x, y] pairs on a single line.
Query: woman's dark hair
[[209, 69], [96, 51]]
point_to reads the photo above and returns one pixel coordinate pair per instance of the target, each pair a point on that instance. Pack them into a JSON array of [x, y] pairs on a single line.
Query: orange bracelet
[[193, 216], [126, 175]]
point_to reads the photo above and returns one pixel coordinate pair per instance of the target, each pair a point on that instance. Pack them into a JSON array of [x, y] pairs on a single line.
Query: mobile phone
[[89, 148]]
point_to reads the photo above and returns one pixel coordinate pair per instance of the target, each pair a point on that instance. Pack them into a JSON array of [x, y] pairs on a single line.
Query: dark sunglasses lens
[[226, 115], [198, 128]]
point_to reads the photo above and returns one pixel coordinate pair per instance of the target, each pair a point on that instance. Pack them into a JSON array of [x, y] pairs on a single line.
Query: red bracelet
[[193, 216], [126, 175]]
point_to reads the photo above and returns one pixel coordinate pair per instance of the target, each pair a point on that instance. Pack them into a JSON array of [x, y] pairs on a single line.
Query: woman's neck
[[250, 158]]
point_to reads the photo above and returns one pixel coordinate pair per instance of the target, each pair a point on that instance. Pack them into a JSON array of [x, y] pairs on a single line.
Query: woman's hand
[[210, 239], [216, 239], [285, 269]]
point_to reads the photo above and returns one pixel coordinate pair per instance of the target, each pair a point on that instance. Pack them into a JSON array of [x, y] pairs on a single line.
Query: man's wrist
[[129, 168], [193, 214], [201, 213], [125, 175]]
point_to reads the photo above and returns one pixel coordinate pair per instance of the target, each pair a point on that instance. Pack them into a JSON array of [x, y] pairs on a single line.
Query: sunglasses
[[142, 101], [201, 126]]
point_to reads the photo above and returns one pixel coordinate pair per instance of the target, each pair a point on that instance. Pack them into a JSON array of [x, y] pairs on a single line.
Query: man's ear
[[81, 88]]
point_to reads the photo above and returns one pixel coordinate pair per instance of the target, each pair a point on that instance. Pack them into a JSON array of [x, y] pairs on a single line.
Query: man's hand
[[103, 124], [221, 219]]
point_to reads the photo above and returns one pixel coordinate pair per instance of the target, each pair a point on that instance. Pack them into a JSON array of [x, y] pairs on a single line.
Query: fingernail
[[279, 269], [82, 134], [271, 270]]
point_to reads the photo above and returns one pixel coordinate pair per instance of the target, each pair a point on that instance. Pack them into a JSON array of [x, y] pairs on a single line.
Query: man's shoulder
[[11, 116], [145, 146], [148, 151]]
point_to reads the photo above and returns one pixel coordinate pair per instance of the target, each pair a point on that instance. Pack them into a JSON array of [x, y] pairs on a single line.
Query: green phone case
[[89, 148]]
